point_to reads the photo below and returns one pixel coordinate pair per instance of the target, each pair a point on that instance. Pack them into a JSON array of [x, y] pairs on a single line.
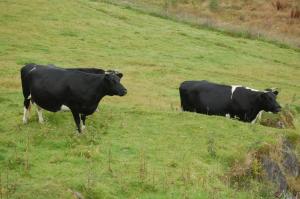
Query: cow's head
[[268, 101], [113, 84]]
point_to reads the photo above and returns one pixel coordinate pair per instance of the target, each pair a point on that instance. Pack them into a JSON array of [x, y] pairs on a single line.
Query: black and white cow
[[51, 87], [87, 70], [239, 102]]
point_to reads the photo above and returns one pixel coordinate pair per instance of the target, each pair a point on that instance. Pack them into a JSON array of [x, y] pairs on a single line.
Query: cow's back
[[205, 97]]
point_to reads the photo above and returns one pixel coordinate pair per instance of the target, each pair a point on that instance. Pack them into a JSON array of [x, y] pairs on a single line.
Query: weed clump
[[211, 147], [282, 120]]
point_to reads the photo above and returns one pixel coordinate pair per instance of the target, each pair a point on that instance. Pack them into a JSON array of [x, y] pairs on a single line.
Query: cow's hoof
[[25, 121], [41, 121]]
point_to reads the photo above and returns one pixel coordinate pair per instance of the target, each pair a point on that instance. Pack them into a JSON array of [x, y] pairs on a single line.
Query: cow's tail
[[185, 101], [26, 84], [183, 98]]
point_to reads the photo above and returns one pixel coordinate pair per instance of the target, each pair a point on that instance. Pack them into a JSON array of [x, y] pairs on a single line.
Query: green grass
[[140, 145]]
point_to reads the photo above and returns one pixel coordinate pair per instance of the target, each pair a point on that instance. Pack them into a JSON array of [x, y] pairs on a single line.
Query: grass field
[[140, 145]]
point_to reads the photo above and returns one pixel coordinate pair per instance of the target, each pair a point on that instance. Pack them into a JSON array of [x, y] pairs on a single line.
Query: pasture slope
[[140, 145]]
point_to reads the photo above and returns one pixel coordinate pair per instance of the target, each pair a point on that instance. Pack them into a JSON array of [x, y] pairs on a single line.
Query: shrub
[[214, 5], [279, 5], [295, 13]]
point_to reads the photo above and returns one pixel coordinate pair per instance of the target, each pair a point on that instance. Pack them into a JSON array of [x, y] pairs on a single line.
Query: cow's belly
[[49, 106], [88, 109], [48, 103], [212, 105]]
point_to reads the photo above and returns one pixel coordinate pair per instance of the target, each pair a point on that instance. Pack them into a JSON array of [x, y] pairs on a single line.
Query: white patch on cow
[[32, 69], [257, 118], [25, 115], [252, 89], [40, 114], [233, 87], [113, 70], [82, 127], [29, 97], [64, 108], [227, 115]]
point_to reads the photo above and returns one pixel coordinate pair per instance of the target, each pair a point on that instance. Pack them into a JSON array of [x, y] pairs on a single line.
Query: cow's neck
[[251, 115], [98, 89], [255, 108], [102, 89]]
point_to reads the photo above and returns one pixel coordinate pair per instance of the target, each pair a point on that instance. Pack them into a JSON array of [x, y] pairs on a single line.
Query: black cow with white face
[[239, 102], [52, 87]]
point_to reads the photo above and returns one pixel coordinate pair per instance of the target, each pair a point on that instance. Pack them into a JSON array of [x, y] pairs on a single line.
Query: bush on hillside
[[295, 13], [284, 119], [214, 5], [279, 4]]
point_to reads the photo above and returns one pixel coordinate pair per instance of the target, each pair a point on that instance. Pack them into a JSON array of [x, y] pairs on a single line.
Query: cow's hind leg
[[83, 117], [76, 119], [27, 106], [40, 114]]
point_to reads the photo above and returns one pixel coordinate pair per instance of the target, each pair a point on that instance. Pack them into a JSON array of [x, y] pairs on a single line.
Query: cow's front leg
[[77, 120], [83, 117]]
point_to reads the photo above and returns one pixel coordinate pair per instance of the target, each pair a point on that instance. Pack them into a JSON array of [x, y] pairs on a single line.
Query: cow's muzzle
[[277, 109], [123, 92]]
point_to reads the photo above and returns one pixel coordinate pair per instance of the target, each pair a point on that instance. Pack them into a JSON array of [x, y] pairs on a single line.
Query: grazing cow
[[51, 87], [235, 101]]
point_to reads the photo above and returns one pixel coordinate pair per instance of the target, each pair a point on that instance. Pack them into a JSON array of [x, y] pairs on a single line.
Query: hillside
[[140, 145], [277, 20]]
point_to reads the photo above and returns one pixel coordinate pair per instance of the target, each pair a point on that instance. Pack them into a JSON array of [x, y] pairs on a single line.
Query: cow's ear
[[107, 76], [268, 89], [120, 75], [273, 90]]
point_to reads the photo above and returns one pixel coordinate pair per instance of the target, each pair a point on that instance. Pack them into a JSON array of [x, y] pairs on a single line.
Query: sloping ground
[[277, 20], [139, 145]]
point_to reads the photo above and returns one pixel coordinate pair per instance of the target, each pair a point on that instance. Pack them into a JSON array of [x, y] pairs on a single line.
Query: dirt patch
[[271, 163]]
